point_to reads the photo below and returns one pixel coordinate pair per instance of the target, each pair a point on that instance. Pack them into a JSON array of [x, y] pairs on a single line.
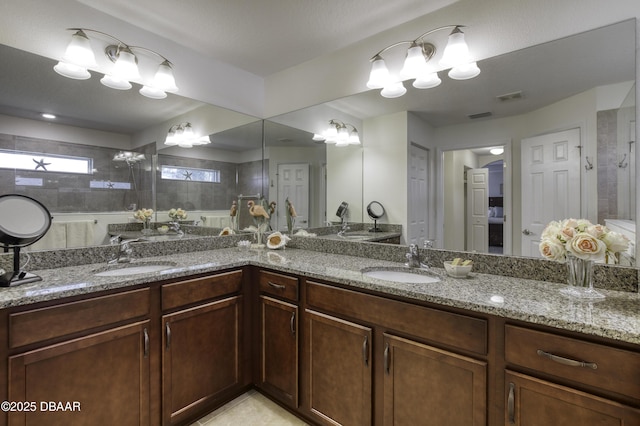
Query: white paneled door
[[550, 166], [478, 210], [418, 205], [293, 183]]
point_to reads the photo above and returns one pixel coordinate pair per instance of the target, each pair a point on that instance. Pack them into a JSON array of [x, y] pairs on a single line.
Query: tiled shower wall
[[71, 192]]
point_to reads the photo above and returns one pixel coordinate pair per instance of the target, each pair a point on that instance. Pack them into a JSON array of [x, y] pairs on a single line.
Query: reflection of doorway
[[457, 227], [550, 170], [293, 183]]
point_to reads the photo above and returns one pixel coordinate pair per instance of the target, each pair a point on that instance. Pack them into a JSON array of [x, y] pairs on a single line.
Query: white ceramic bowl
[[457, 271]]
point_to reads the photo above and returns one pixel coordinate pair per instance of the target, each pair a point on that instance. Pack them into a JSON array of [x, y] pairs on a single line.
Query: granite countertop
[[532, 301]]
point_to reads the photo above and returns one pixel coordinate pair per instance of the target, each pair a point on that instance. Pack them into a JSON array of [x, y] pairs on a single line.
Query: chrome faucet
[[413, 257], [175, 226], [124, 252], [343, 228]]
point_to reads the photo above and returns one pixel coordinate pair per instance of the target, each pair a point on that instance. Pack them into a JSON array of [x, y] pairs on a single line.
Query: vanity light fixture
[[417, 66], [183, 136], [339, 134], [497, 150], [79, 57], [48, 116]]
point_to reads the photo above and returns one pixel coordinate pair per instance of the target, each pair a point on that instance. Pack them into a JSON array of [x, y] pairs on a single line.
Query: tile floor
[[251, 408]]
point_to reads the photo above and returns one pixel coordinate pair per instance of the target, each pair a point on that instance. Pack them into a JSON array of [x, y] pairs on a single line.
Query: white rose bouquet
[[143, 214], [177, 214], [580, 238]]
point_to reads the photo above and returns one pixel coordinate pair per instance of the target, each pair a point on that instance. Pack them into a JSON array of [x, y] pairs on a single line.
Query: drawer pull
[[567, 361], [277, 286], [511, 404]]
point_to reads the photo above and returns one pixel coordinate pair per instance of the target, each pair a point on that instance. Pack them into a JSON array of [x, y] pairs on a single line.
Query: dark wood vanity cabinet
[[78, 362], [556, 380], [201, 344], [278, 336], [363, 369]]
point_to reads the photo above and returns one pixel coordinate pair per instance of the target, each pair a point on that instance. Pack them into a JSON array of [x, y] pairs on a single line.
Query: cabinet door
[[339, 370], [422, 382], [279, 354], [85, 379], [201, 356], [535, 402]]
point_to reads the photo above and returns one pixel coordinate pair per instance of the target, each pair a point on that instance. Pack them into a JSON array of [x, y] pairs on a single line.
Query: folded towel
[[55, 238], [80, 234]]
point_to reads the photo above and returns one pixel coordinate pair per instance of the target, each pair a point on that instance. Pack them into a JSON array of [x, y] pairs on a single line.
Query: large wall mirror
[[104, 157], [585, 82]]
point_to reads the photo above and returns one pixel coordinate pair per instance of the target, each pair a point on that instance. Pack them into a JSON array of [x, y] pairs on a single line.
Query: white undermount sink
[[401, 275], [132, 269]]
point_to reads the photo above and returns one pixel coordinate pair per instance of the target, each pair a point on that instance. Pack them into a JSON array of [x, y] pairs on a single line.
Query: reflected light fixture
[[129, 157], [497, 151], [182, 135], [417, 65], [338, 133], [79, 57]]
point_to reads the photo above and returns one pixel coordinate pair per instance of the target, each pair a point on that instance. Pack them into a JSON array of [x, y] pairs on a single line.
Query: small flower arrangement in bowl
[[580, 243], [177, 214]]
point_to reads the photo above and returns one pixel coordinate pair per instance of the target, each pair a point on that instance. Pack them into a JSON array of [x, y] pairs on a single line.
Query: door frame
[[507, 190]]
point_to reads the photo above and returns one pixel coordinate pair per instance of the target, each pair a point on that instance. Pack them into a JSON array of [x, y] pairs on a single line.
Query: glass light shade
[[188, 132], [343, 135], [152, 93], [427, 81], [414, 64], [71, 71], [79, 51], [394, 90], [115, 83], [379, 76], [331, 134], [164, 79], [496, 151], [125, 67], [203, 140], [465, 71], [354, 139], [457, 51], [317, 137]]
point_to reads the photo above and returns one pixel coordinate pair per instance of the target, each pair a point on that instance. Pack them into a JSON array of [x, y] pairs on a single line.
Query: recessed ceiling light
[[48, 116]]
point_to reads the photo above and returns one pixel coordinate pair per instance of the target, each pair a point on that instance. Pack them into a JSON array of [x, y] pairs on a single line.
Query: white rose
[[585, 246], [615, 242], [552, 230], [552, 249]]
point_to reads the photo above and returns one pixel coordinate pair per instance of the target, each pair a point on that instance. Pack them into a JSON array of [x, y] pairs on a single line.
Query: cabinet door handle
[[365, 350], [292, 323], [168, 332], [567, 361], [511, 404], [145, 333], [274, 285], [386, 358]]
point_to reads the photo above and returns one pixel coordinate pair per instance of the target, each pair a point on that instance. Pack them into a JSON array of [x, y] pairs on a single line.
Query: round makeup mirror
[[375, 210], [24, 221]]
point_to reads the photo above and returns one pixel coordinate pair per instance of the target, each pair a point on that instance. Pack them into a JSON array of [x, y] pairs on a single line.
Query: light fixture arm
[[121, 44], [416, 41]]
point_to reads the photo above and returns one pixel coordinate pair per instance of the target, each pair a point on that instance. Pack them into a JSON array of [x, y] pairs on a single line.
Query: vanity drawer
[[69, 318], [279, 285], [433, 325], [592, 364], [200, 289]]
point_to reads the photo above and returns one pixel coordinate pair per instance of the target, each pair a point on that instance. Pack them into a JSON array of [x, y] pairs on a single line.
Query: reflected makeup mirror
[[24, 221], [375, 210]]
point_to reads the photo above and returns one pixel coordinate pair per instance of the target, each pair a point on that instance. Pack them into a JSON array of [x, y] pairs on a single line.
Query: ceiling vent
[[480, 115], [513, 96]]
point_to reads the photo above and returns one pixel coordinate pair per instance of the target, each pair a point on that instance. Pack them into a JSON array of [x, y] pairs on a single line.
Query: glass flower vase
[[580, 279], [146, 227]]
